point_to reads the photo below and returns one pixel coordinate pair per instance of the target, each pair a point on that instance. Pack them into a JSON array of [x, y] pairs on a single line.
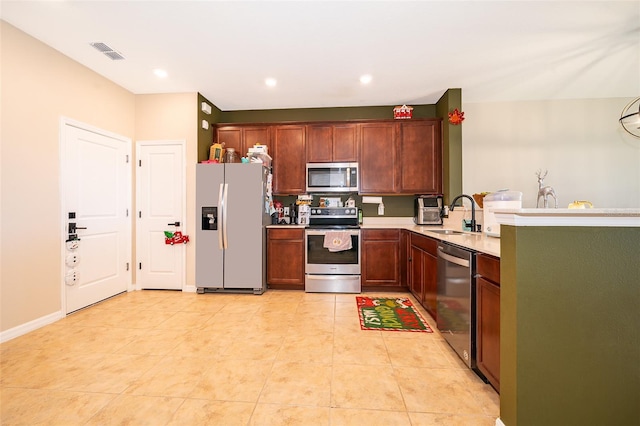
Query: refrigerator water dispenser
[[209, 218]]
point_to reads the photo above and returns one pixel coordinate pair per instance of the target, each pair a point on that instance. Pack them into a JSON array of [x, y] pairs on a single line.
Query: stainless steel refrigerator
[[232, 209]]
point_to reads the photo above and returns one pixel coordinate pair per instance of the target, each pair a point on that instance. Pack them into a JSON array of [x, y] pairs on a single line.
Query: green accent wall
[[451, 145], [570, 326], [321, 114], [205, 137]]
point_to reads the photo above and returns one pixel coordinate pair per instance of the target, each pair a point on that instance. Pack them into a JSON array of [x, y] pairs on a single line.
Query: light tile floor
[[281, 358]]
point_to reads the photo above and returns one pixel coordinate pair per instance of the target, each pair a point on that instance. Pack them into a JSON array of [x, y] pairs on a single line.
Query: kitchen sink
[[446, 231]]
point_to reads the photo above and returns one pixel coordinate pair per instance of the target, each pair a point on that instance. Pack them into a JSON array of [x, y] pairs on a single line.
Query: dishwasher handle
[[452, 259]]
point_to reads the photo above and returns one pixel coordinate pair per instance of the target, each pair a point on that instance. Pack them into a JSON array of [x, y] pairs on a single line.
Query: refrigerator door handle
[[221, 215], [224, 215]]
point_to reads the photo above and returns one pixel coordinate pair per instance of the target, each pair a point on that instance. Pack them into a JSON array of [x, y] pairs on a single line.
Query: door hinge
[[140, 266], [127, 266], [126, 213], [140, 214], [127, 158], [139, 163]]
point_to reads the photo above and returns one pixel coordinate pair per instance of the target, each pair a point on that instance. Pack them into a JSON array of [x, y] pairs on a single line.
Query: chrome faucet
[[473, 210]]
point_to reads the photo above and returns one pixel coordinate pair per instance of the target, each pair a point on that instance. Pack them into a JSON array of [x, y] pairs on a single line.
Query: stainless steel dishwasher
[[456, 300]]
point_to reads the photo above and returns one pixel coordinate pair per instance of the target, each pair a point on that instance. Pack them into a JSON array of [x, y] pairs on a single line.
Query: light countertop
[[569, 217], [475, 241]]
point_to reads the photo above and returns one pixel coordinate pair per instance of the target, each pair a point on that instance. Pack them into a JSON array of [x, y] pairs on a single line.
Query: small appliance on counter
[[428, 210], [304, 208], [304, 213], [496, 201]]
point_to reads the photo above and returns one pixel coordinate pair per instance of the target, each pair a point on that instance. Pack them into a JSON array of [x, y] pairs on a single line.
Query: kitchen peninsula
[[569, 315]]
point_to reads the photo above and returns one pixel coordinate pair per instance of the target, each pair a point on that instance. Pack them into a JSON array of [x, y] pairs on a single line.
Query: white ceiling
[[317, 50]]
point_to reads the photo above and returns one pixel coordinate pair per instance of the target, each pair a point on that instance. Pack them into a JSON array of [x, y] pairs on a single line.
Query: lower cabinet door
[[285, 258], [430, 283], [488, 331], [381, 257]]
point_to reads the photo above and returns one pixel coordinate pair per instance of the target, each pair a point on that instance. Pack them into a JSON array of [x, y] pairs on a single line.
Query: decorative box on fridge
[[403, 111]]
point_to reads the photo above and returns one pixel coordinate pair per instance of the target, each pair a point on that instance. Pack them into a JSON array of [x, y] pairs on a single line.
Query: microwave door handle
[[348, 177]]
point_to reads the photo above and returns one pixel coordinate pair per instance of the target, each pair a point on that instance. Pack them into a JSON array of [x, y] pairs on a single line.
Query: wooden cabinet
[[416, 266], [378, 169], [243, 137], [488, 317], [395, 156], [401, 157], [289, 159], [285, 258], [405, 254], [381, 258], [423, 264], [420, 157], [332, 142]]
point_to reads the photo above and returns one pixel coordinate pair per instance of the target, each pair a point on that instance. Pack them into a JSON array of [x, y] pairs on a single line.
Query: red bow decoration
[[456, 117]]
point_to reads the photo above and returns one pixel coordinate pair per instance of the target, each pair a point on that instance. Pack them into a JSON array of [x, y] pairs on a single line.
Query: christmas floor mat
[[397, 314]]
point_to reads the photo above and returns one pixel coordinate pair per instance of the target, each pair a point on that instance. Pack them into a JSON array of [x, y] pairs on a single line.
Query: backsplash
[[454, 221]]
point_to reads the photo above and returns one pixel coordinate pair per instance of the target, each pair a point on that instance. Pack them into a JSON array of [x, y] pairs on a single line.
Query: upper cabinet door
[[378, 168], [345, 143], [289, 160], [243, 137], [420, 156], [319, 143], [332, 142], [231, 136], [256, 135]]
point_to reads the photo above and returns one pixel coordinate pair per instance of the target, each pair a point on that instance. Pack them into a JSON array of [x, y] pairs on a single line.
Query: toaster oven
[[428, 210]]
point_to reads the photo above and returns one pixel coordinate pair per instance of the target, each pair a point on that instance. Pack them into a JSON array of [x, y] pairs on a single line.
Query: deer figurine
[[545, 191]]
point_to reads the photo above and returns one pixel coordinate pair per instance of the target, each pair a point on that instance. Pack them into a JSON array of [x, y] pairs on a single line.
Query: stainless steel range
[[333, 247]]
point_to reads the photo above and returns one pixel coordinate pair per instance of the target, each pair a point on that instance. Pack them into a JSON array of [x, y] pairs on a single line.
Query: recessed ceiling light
[[160, 73], [271, 82], [366, 79]]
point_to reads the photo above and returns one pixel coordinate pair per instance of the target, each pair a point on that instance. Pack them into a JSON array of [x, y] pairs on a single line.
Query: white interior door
[[96, 178], [160, 206]]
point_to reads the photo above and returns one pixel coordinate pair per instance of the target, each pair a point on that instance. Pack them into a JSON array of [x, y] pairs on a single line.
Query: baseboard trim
[[189, 289], [499, 422], [25, 328]]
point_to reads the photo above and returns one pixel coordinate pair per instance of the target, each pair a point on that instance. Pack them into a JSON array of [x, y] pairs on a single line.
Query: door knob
[[73, 227], [174, 224]]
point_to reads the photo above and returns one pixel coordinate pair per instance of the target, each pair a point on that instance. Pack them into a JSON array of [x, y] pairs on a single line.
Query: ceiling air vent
[[108, 51]]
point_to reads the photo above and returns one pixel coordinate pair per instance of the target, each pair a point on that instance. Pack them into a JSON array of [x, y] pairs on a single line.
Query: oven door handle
[[332, 277], [324, 232]]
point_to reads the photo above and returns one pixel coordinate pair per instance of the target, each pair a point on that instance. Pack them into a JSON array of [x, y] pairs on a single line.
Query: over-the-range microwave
[[332, 177]]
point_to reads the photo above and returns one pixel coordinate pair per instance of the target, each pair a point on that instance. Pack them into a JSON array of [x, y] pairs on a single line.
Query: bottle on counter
[[360, 216], [230, 156]]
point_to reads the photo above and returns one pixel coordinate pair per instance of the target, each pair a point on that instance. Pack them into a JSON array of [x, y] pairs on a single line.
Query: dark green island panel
[[570, 325]]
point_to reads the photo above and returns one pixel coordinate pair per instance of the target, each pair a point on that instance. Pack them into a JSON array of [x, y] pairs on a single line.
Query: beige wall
[[174, 117], [588, 154], [39, 86]]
